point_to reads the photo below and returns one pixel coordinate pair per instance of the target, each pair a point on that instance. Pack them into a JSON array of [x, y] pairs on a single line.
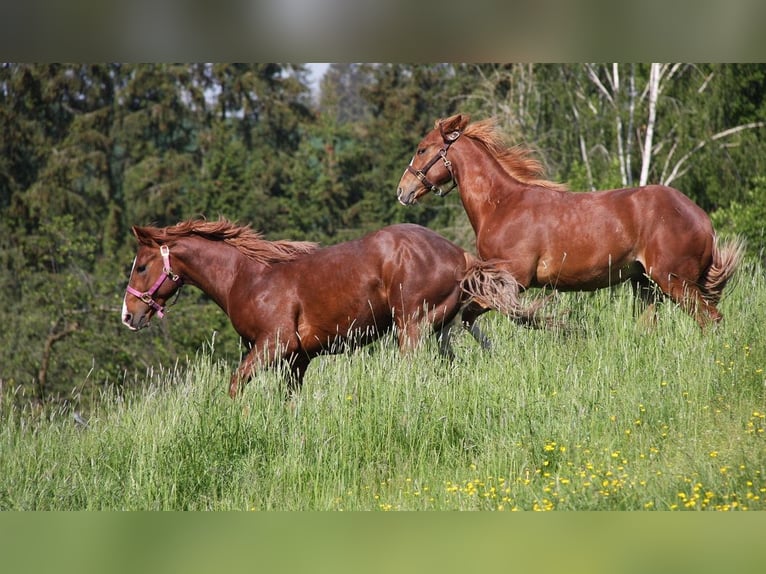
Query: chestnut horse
[[291, 301], [573, 241]]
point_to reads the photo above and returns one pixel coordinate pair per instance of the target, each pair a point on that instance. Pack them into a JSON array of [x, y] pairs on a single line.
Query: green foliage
[[747, 219], [608, 178]]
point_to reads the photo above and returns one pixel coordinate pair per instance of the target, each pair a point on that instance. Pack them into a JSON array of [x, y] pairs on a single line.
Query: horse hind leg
[[646, 298], [444, 336], [468, 318], [297, 365], [479, 336], [690, 298], [409, 334], [694, 303]]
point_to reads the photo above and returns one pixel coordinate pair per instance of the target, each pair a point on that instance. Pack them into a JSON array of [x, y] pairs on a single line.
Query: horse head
[[152, 281], [425, 172]]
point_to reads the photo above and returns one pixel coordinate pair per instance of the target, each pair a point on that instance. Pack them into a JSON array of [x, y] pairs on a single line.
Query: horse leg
[[444, 336], [645, 300], [691, 300], [468, 319], [243, 372], [479, 337], [467, 322], [263, 354], [689, 297], [298, 364], [409, 336]]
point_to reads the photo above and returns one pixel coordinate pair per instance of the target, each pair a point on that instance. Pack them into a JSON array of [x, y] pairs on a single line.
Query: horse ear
[[456, 123], [143, 234]]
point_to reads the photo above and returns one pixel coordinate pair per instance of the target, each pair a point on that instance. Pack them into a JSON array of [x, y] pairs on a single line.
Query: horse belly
[[340, 324], [585, 276]]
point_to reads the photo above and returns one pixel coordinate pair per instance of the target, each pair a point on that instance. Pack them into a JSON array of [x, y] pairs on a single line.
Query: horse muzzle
[[128, 321], [135, 321], [406, 197]]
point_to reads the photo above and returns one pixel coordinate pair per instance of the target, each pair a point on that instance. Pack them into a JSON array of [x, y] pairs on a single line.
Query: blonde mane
[[515, 160], [248, 242]]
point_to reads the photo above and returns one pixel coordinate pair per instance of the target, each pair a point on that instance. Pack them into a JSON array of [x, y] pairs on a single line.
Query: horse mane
[[515, 160], [250, 243]]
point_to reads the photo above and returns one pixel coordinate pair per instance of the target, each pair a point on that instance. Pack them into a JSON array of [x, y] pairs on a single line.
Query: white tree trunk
[[615, 79], [630, 134], [646, 153]]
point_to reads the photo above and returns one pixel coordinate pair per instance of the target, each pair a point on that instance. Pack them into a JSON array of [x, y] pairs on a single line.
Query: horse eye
[[421, 151], [141, 268]]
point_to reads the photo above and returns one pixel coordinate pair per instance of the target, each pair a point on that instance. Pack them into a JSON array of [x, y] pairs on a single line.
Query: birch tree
[[653, 123], [616, 98]]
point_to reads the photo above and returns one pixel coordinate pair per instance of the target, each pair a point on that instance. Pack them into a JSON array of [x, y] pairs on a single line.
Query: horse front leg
[[264, 353], [409, 334], [242, 373]]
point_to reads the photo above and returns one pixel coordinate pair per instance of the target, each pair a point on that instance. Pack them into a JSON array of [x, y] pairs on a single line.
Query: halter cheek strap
[[449, 139], [167, 273]]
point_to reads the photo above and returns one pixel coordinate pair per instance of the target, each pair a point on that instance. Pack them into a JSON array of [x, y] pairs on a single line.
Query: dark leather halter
[[449, 139]]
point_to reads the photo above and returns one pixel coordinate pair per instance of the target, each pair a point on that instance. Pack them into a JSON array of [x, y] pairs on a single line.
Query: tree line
[[88, 150]]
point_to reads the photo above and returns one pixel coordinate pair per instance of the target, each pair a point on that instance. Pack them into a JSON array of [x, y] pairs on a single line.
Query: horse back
[[366, 285], [416, 266], [586, 240]]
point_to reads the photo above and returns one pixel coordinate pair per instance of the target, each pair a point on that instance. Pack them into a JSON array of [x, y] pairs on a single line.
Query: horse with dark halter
[[291, 301], [549, 236]]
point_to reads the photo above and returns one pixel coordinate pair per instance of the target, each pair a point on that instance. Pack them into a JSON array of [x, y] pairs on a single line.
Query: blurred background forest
[[87, 151]]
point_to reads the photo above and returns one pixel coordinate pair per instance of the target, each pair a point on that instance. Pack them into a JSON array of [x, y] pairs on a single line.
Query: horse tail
[[493, 288], [727, 256]]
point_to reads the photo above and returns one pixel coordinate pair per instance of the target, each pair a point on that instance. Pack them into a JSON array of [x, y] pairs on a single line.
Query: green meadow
[[603, 414]]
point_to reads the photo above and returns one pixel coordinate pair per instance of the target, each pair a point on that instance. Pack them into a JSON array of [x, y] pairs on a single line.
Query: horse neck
[[481, 179], [211, 266]]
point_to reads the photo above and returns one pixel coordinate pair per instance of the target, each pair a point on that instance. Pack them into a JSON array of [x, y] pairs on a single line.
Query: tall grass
[[607, 414]]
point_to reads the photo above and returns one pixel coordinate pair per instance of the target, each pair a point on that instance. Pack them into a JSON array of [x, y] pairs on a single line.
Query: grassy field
[[606, 415]]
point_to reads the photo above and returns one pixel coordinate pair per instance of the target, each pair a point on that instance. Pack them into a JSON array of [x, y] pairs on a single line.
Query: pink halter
[[167, 273]]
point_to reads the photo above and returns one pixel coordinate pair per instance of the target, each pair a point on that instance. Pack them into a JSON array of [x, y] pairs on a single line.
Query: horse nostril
[[127, 320]]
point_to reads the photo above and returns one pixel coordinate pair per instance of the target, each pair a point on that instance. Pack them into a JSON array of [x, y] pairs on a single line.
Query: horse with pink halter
[[291, 301]]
